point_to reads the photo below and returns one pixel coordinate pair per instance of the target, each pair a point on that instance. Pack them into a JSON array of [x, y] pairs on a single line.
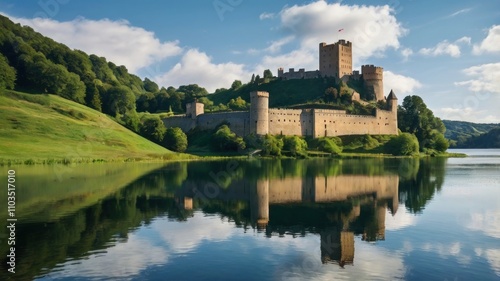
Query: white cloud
[[265, 16], [491, 43], [123, 260], [372, 29], [463, 11], [275, 46], [493, 257], [464, 40], [399, 83], [197, 67], [118, 41], [487, 222], [406, 53], [186, 236], [486, 78], [442, 48], [400, 220]]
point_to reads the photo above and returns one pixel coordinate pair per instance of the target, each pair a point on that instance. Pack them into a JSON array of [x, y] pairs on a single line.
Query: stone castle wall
[[261, 120]]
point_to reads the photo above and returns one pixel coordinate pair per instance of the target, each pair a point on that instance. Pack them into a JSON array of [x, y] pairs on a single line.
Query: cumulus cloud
[[196, 67], [118, 41], [442, 48], [486, 78], [121, 261], [406, 53], [265, 16], [373, 29], [491, 43], [187, 236], [399, 83], [400, 220]]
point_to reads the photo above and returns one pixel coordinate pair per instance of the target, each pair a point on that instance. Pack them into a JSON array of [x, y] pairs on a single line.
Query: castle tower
[[392, 104], [373, 77], [335, 60], [259, 113], [280, 72], [260, 203], [194, 109]]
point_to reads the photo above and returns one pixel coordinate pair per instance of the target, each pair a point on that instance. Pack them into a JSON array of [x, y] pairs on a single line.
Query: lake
[[313, 219]]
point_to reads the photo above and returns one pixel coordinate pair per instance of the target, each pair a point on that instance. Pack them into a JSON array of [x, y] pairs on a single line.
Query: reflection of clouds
[[493, 257], [487, 222], [124, 260], [400, 220], [371, 262], [448, 250], [183, 237]]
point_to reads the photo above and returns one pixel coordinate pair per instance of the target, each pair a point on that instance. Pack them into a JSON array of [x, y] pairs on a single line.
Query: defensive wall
[[262, 120]]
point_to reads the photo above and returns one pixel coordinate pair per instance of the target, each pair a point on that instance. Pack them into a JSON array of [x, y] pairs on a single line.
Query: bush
[[296, 145], [329, 145], [153, 129], [403, 145], [272, 145], [225, 140], [175, 139]]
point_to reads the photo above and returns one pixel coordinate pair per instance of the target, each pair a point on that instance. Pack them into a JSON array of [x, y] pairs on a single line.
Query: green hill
[[460, 132], [38, 128], [286, 92]]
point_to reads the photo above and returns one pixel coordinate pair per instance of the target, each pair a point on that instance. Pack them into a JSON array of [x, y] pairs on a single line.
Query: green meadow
[[51, 129]]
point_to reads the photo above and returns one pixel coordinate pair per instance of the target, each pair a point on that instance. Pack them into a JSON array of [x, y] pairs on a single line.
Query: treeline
[[490, 139], [33, 63]]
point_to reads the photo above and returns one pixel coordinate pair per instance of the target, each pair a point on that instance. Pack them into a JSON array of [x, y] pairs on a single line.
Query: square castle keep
[[335, 61]]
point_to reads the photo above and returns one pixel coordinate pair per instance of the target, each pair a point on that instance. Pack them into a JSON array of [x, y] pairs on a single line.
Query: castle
[[335, 61]]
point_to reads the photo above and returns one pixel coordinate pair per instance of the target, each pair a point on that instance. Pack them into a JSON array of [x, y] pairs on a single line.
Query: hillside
[[459, 132], [34, 128], [283, 93], [490, 139]]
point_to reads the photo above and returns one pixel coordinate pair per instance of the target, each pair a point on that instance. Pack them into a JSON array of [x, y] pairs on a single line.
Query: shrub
[[296, 145], [403, 145], [175, 139]]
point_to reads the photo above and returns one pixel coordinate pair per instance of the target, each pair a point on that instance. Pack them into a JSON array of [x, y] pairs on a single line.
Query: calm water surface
[[321, 219]]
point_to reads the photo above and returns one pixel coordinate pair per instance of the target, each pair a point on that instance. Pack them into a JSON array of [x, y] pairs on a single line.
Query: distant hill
[[459, 132], [490, 139], [37, 128]]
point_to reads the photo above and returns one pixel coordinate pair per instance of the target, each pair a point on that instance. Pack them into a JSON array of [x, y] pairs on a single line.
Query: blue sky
[[447, 53]]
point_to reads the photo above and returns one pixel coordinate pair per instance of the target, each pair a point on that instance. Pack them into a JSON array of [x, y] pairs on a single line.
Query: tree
[[152, 128], [7, 74], [415, 118], [405, 144], [268, 74], [118, 100], [296, 145], [225, 140], [238, 104], [150, 86], [253, 79], [272, 145], [331, 94], [328, 145], [175, 139], [236, 85], [192, 91]]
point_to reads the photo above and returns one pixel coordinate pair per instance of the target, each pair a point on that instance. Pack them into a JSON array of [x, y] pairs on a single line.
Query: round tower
[[374, 77], [259, 113]]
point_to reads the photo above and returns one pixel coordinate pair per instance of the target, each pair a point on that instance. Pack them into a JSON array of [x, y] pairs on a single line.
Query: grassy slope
[[45, 127], [281, 92]]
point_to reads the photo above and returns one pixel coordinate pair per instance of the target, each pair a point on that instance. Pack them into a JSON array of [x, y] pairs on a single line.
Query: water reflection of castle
[[336, 207]]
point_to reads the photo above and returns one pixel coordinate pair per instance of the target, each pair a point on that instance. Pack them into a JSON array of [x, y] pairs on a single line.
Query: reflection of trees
[[419, 181], [41, 246]]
